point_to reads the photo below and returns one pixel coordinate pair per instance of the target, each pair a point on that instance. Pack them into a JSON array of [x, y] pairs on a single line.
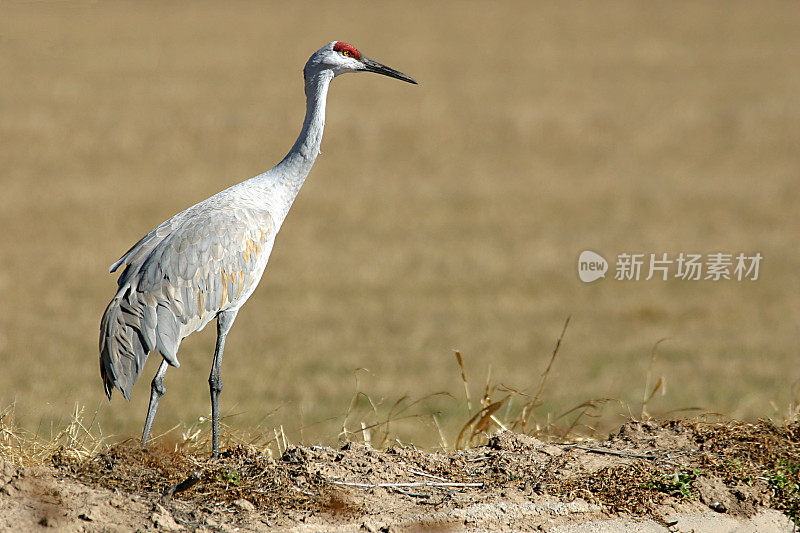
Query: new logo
[[591, 266]]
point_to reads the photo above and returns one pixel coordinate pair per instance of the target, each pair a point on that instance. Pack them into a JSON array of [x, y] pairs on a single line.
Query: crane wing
[[176, 279]]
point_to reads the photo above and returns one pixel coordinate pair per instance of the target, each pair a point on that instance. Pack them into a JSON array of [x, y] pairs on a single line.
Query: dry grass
[[440, 217], [78, 440]]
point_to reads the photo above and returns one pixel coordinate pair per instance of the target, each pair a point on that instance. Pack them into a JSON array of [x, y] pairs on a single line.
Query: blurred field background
[[439, 217]]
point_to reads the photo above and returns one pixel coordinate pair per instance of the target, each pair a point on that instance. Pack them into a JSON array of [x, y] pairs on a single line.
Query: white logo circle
[[591, 266]]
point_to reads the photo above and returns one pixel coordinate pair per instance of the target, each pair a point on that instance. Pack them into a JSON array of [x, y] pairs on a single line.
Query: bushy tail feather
[[125, 342]]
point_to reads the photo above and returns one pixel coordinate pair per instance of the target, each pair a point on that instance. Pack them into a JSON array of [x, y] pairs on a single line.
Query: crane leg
[[157, 390], [224, 322]]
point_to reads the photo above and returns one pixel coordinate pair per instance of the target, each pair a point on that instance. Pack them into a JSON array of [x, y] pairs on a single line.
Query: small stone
[[244, 505], [162, 520], [7, 472], [718, 507], [89, 514]]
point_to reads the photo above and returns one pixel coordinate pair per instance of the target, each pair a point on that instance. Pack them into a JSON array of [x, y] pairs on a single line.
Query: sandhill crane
[[206, 261]]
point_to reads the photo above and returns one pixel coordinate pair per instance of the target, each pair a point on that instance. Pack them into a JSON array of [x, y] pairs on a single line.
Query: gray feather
[[167, 334], [172, 285]]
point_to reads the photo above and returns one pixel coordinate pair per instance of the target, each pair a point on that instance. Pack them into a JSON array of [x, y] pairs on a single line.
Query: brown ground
[[660, 475]]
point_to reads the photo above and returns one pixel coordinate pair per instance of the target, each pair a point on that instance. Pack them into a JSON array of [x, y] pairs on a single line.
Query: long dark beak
[[374, 66]]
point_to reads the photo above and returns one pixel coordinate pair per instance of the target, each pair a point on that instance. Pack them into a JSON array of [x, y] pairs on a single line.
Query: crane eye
[[346, 50]]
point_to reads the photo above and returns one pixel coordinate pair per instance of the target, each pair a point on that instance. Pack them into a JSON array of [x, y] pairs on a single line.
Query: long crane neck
[[291, 172]]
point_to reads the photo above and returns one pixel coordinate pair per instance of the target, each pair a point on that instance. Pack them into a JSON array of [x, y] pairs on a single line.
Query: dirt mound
[[648, 475]]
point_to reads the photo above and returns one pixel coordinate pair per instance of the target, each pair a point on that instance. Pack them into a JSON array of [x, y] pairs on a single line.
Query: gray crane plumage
[[206, 261], [176, 279]]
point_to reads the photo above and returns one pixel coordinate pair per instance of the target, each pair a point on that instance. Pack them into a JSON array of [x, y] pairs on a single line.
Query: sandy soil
[[646, 477]]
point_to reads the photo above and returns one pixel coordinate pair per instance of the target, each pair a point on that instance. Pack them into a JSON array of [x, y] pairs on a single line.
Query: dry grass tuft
[[586, 419], [241, 472], [77, 440], [373, 419]]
